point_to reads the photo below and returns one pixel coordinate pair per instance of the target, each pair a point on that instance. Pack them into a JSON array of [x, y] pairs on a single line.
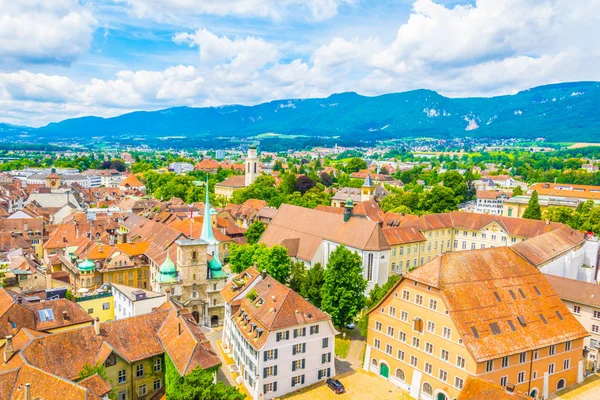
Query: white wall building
[[181, 167], [131, 302], [279, 340], [490, 202]]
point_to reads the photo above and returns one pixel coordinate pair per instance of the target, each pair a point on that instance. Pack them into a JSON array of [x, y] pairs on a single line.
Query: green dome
[[86, 266], [168, 271], [349, 202], [214, 264]]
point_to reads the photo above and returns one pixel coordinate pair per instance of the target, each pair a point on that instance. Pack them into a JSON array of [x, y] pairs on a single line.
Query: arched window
[[427, 389], [370, 267], [400, 374], [418, 325], [374, 362], [561, 384]]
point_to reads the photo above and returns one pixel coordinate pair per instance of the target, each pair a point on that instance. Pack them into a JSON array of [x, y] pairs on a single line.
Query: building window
[[122, 376], [157, 385], [142, 390], [419, 299], [503, 381], [390, 331], [458, 383], [489, 366], [418, 325], [404, 316], [576, 309], [282, 336], [378, 326], [377, 344], [269, 387], [595, 329], [370, 267], [552, 350], [597, 314], [460, 362], [428, 389], [521, 377], [523, 358], [393, 312], [299, 348], [325, 343], [428, 348], [157, 364], [551, 369], [388, 349], [402, 336], [413, 361], [400, 374], [106, 306], [567, 364], [433, 304], [139, 370], [326, 357], [406, 295], [416, 342], [298, 380], [447, 333], [443, 375], [298, 364], [431, 326], [299, 332], [428, 368], [567, 346], [400, 355], [444, 355], [505, 362]]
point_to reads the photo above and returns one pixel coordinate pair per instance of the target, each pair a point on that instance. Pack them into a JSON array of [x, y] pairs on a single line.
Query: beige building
[[583, 300], [487, 313]]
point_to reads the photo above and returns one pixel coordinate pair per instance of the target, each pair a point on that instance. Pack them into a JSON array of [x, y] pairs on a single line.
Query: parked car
[[335, 385], [350, 325]]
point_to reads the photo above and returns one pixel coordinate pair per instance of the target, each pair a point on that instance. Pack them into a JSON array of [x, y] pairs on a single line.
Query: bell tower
[[252, 169]]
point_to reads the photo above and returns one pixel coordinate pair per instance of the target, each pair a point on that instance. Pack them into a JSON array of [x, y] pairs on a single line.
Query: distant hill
[[560, 112]]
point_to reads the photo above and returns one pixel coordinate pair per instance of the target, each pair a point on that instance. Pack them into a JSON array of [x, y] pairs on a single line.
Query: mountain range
[[558, 112]]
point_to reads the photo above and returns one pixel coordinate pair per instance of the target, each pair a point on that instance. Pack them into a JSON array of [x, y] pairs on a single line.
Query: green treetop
[[533, 210]]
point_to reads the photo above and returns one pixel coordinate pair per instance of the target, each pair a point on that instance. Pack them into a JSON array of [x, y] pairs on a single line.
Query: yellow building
[[486, 313], [405, 247], [101, 305]]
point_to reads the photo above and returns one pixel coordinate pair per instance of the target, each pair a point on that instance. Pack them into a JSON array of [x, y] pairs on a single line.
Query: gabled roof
[[581, 292], [541, 249], [311, 227], [96, 385], [131, 181], [469, 281], [234, 181], [480, 389], [238, 284], [403, 235]]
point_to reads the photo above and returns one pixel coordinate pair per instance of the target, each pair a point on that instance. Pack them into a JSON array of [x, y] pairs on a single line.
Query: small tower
[[367, 189], [348, 209], [53, 180], [252, 169]]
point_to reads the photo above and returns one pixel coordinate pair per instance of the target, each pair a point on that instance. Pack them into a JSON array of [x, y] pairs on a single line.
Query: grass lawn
[[342, 346]]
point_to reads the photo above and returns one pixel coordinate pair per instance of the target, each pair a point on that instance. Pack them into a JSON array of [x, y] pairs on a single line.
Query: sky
[[69, 58]]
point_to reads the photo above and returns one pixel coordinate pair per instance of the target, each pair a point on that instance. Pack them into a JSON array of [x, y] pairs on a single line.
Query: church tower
[[252, 169], [367, 190], [53, 180]]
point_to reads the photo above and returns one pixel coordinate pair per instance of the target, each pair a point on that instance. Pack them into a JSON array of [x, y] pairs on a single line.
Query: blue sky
[[68, 58]]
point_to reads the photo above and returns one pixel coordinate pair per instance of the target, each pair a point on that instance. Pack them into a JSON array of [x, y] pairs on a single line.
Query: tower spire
[[207, 231]]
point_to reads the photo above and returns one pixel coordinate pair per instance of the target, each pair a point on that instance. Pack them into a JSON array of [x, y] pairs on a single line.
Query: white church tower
[[252, 169]]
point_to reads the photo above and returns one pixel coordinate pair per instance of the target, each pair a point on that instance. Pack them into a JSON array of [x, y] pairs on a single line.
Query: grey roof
[[130, 292], [344, 193]]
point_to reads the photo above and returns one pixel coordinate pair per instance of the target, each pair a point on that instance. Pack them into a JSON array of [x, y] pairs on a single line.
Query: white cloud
[[56, 31], [494, 47], [276, 9]]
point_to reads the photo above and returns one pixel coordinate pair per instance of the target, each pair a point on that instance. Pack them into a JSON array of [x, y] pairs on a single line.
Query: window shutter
[[264, 388], [293, 383], [319, 375], [287, 335], [302, 379], [293, 366], [303, 363], [294, 350], [295, 333], [304, 331], [328, 357], [275, 370], [275, 354], [274, 386], [328, 372], [278, 337], [264, 372], [265, 355], [304, 347]]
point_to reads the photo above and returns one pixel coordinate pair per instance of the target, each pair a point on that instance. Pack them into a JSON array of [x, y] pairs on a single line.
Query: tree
[[304, 184], [343, 286], [517, 191], [440, 199], [297, 276], [89, 370], [311, 287], [455, 181], [326, 179], [355, 164], [277, 263], [255, 231], [533, 210], [241, 257], [199, 385], [288, 184], [378, 292]]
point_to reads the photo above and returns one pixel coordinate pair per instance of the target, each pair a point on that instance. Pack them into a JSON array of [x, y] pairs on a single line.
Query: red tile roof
[[480, 389], [541, 249]]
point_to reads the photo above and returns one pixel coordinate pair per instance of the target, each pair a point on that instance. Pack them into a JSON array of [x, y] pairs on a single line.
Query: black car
[[335, 385]]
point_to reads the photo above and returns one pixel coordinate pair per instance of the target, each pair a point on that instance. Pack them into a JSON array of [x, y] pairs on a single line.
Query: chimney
[[65, 316], [19, 300], [97, 326], [263, 274], [8, 348], [547, 221], [178, 328], [28, 391]]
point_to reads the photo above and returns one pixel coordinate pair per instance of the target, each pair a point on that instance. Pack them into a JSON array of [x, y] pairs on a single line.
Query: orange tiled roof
[[567, 190], [468, 282], [237, 284], [541, 249], [133, 249], [576, 291], [96, 385], [480, 389], [131, 181], [235, 181], [402, 235]]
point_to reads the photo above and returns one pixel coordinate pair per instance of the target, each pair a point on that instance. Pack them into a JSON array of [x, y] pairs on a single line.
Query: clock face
[[53, 183]]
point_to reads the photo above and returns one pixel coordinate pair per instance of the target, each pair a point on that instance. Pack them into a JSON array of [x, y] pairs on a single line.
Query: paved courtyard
[[588, 390], [359, 384]]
